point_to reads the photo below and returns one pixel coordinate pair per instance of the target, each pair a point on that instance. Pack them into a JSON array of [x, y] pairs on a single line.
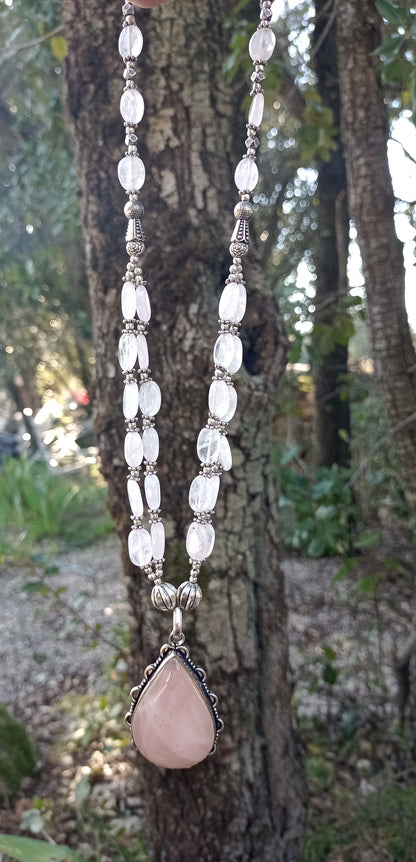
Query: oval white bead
[[132, 106], [130, 400], [255, 114], [246, 175], [203, 493], [228, 352], [225, 456], [143, 304], [152, 491], [127, 351], [130, 42], [208, 445], [200, 540], [131, 173], [128, 300], [140, 547], [157, 532], [142, 351], [233, 302], [222, 400], [135, 497], [150, 444], [133, 449], [261, 45], [150, 398]]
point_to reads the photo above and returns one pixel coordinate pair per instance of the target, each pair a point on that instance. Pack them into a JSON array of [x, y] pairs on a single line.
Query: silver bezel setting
[[198, 676]]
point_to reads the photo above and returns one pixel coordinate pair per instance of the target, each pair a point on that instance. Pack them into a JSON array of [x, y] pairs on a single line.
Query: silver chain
[[142, 397]]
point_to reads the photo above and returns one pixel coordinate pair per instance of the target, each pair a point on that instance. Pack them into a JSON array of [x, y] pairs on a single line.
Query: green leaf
[[32, 821], [329, 653], [59, 47], [24, 849], [398, 70], [393, 14], [369, 583], [330, 674], [35, 587], [344, 570], [390, 46], [367, 539], [82, 790]]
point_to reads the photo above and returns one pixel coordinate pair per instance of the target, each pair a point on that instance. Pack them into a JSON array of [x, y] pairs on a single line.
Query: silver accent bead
[[164, 597], [243, 210], [237, 248], [135, 248], [134, 209], [189, 595]]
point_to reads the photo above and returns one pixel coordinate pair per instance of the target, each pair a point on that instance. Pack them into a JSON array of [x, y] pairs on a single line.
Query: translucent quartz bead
[[228, 352], [203, 493], [132, 106], [128, 300], [150, 444], [130, 400], [208, 445], [150, 398], [261, 45], [255, 114], [200, 540], [127, 351], [135, 497], [143, 304], [157, 532], [233, 302], [222, 400], [133, 449], [152, 491], [130, 43], [142, 351], [225, 457], [140, 547], [131, 173], [246, 175]]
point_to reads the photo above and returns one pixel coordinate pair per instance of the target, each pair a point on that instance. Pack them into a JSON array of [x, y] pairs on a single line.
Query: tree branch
[[380, 443], [8, 52]]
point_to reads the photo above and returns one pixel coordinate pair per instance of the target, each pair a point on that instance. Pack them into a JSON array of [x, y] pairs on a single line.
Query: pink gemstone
[[172, 723]]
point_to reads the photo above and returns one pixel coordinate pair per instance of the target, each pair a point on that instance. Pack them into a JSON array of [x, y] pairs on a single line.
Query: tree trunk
[[332, 409], [246, 802], [365, 135]]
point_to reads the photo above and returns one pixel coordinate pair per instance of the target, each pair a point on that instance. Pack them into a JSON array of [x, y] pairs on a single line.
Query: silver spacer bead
[[243, 210], [134, 209]]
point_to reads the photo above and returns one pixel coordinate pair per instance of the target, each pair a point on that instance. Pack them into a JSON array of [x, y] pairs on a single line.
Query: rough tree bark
[[371, 202], [332, 412], [246, 803]]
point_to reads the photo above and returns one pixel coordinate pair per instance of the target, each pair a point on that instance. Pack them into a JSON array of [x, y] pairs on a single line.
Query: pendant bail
[[177, 636]]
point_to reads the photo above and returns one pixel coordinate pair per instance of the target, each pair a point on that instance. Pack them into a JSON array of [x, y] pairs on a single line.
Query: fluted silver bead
[[189, 595], [164, 597]]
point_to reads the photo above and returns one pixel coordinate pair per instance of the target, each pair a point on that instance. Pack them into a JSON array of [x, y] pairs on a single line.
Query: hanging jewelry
[[173, 715]]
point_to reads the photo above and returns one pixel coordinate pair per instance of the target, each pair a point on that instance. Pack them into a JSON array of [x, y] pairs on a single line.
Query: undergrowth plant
[[36, 504]]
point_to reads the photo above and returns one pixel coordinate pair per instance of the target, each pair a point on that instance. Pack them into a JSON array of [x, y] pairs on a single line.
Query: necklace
[[173, 715]]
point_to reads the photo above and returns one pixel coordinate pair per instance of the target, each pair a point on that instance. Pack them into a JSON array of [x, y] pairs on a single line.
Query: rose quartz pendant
[[173, 717]]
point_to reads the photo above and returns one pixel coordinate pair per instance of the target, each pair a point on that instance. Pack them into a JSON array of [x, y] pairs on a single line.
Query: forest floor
[[64, 680]]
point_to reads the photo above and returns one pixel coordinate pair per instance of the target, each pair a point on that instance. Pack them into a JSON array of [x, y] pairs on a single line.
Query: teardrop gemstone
[[173, 724]]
